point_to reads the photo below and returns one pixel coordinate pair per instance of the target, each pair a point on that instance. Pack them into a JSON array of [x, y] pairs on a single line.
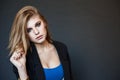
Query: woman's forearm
[[23, 74]]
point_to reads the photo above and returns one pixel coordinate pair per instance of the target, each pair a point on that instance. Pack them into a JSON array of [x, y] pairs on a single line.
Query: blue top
[[54, 73]]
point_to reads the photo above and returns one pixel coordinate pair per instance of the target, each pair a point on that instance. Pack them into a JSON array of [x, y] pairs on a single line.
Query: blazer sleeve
[[69, 60]]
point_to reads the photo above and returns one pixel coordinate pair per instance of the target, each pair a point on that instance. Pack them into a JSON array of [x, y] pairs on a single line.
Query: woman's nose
[[36, 31]]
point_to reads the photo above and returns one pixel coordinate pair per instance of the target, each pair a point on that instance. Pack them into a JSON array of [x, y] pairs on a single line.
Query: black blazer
[[34, 66]]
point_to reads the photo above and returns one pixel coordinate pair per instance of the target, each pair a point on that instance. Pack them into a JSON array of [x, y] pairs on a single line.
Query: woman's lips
[[39, 37]]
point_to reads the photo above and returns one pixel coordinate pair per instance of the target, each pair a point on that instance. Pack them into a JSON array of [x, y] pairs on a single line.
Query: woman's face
[[36, 29]]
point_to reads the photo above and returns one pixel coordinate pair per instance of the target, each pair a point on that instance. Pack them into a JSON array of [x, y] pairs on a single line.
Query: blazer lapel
[[35, 65], [63, 55]]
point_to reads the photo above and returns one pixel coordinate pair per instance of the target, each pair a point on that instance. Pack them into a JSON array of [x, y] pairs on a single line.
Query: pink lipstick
[[39, 37]]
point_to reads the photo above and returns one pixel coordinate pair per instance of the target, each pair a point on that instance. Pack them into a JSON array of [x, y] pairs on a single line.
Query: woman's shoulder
[[61, 49], [59, 44]]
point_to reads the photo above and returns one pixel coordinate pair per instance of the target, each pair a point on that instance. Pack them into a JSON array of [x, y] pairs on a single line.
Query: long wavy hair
[[18, 35]]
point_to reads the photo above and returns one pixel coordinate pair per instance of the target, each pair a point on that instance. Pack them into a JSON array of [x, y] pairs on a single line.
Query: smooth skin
[[47, 52]]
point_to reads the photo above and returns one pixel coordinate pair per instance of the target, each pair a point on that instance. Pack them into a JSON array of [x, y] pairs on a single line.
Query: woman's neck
[[43, 47]]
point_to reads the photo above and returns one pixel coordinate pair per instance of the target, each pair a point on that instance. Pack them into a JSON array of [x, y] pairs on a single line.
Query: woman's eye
[[38, 24], [29, 30]]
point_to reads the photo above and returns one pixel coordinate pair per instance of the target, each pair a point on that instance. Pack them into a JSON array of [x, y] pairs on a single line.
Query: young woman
[[34, 55]]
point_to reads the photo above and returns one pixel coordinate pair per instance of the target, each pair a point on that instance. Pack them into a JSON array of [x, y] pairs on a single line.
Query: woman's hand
[[18, 59]]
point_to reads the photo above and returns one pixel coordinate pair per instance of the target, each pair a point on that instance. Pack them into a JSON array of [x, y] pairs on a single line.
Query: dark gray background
[[90, 29]]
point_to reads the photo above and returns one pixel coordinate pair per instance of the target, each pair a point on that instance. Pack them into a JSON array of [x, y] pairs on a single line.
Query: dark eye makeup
[[38, 24], [29, 30]]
